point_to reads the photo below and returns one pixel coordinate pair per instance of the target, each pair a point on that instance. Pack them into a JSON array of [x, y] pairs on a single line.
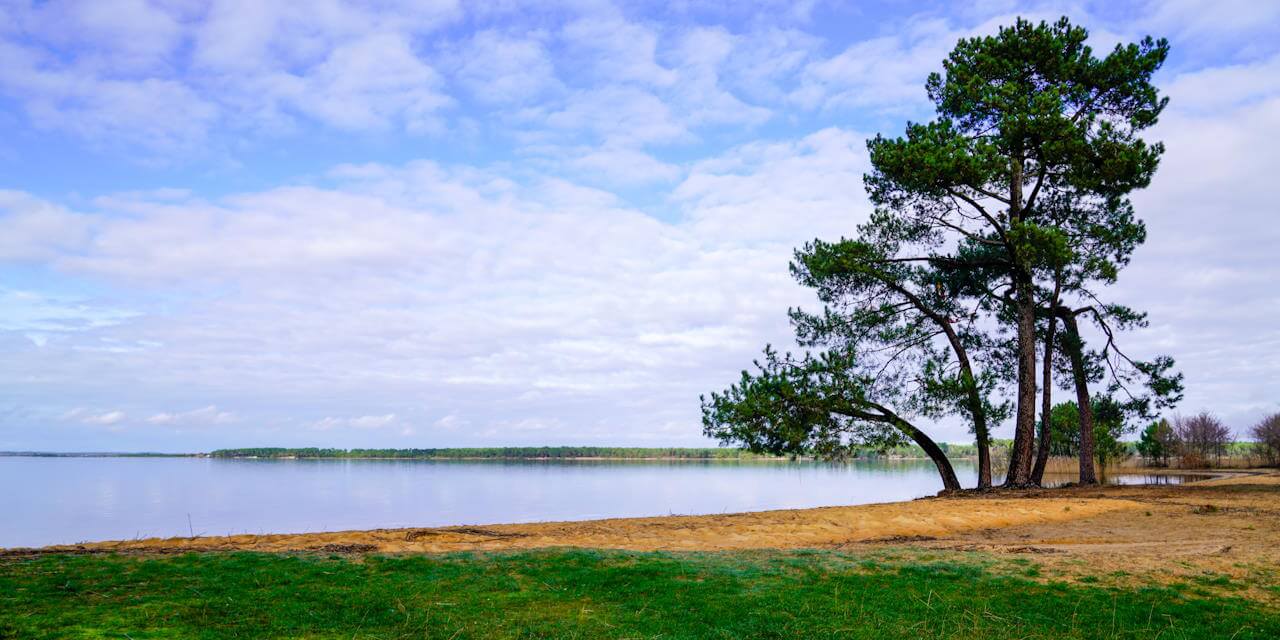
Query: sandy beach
[[1225, 524]]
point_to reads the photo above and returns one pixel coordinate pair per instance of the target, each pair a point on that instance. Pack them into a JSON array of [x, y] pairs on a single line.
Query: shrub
[[1266, 434], [1202, 437], [1158, 443]]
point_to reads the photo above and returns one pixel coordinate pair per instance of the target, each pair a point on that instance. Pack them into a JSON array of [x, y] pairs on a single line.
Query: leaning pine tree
[[989, 220], [1033, 152], [887, 348]]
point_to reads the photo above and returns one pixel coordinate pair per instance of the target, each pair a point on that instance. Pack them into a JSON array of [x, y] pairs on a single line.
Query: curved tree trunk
[[1075, 350], [939, 458], [977, 411], [884, 415]]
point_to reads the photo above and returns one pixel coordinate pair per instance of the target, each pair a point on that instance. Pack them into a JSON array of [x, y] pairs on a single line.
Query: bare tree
[[1267, 435], [1201, 437]]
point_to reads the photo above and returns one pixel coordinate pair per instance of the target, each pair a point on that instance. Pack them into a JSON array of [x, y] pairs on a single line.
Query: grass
[[592, 594]]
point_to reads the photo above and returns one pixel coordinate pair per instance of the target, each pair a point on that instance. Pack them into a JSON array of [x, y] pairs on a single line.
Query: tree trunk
[[948, 473], [976, 409], [983, 437], [1025, 424], [1075, 350], [1020, 458], [1046, 402]]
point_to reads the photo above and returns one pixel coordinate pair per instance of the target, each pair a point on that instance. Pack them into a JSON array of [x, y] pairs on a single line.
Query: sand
[[1224, 526]]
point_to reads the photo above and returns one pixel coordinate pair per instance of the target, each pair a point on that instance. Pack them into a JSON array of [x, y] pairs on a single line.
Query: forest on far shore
[[559, 453]]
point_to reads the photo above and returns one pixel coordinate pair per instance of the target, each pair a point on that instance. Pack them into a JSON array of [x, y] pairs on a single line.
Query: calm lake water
[[66, 500]]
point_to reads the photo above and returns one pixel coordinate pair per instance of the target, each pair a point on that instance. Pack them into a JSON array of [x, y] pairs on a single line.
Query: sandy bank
[[1233, 519], [821, 527]]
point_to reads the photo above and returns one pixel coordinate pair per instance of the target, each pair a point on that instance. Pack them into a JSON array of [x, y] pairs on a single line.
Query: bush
[[1158, 443], [1109, 426], [1267, 437], [1202, 437]]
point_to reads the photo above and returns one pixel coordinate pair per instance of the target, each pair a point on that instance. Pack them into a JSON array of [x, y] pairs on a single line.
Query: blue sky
[[394, 223]]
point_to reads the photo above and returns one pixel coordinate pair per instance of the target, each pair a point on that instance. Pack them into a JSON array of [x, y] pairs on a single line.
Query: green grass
[[590, 594]]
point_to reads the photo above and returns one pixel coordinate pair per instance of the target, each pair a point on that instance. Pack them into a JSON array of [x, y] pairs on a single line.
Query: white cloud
[[44, 316], [1207, 272], [373, 422], [238, 36], [360, 422], [624, 166], [108, 418], [371, 83], [785, 192], [128, 35], [115, 71], [617, 115], [616, 50], [501, 69], [764, 63], [378, 286], [35, 229], [701, 53], [1210, 91], [156, 113], [535, 306], [517, 294], [182, 80], [887, 73], [884, 73], [450, 422], [209, 415], [1196, 21]]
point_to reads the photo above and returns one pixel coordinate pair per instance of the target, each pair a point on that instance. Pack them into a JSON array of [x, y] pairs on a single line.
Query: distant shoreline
[[96, 454], [538, 454], [575, 458]]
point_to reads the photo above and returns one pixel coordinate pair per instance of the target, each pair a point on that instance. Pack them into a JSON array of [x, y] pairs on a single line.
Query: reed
[[1070, 464]]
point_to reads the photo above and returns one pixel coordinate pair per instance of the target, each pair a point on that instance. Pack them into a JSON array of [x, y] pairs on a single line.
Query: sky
[[389, 223]]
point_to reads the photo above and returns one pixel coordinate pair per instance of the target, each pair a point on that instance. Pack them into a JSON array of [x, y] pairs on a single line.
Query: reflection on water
[[62, 500], [1060, 479]]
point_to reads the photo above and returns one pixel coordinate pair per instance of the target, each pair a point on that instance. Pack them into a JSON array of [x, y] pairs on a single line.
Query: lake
[[67, 500]]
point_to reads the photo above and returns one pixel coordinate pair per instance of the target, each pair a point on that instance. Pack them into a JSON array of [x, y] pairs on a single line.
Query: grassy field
[[595, 594]]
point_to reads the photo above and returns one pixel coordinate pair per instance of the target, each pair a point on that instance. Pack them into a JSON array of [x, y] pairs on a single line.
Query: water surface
[[67, 500]]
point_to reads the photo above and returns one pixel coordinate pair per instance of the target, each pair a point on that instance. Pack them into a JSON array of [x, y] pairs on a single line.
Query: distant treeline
[[92, 454], [484, 452], [559, 453]]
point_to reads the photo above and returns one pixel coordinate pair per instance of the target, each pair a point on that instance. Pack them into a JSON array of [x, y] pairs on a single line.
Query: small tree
[[1108, 429], [1158, 442], [1202, 437], [1266, 434], [1064, 429]]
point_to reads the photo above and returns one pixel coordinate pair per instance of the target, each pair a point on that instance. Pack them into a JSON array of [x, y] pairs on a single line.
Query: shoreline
[[1198, 559], [575, 458], [1038, 518], [1113, 470], [8, 454]]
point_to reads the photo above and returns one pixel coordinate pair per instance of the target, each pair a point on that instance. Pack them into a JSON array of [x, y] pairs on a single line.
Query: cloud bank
[[488, 225]]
